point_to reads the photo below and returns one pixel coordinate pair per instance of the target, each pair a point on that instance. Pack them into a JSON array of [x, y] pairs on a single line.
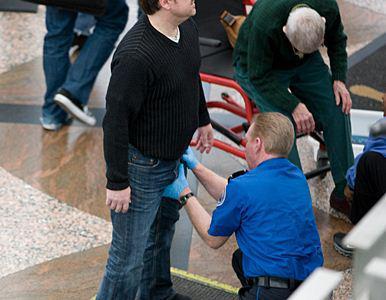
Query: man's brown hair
[[275, 130], [150, 7]]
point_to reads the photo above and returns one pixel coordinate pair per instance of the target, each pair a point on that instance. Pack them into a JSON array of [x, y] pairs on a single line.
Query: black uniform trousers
[[254, 292], [370, 184]]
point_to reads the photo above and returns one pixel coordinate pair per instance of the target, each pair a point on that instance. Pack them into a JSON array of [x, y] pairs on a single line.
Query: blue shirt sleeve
[[226, 217], [377, 144]]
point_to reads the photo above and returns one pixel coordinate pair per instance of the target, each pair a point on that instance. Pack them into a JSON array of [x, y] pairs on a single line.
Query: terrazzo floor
[[21, 38], [36, 227], [51, 184], [374, 5]]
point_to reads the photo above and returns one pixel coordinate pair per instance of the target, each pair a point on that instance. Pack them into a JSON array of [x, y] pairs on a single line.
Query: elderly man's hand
[[303, 119], [118, 200], [175, 189], [342, 94], [205, 138]]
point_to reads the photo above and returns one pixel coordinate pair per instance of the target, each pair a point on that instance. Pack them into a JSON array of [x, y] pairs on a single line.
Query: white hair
[[305, 29]]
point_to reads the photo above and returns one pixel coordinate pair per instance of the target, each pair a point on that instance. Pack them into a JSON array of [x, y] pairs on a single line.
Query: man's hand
[[205, 138], [175, 189], [303, 119], [190, 159], [341, 93], [118, 200]]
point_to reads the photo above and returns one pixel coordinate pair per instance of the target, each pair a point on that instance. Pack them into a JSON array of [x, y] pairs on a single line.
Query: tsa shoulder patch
[[222, 198]]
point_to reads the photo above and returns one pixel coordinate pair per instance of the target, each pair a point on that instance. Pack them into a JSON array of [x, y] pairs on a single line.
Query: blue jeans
[[131, 231], [77, 78], [156, 282]]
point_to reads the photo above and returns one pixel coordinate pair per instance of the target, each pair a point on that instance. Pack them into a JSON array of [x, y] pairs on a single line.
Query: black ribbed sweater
[[154, 100]]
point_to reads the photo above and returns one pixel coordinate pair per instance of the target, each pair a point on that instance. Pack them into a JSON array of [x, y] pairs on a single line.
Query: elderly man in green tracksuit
[[278, 64]]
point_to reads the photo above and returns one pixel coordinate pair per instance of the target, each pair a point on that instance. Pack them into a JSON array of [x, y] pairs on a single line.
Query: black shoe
[[342, 248], [71, 105], [180, 297]]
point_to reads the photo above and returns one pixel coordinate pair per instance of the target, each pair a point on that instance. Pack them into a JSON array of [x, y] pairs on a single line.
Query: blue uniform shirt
[[375, 144], [270, 210]]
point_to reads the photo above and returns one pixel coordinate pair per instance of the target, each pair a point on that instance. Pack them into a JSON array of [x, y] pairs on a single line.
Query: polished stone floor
[[57, 179]]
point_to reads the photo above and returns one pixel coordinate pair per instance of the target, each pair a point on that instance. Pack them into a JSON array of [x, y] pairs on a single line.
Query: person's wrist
[[197, 167], [185, 191], [184, 197]]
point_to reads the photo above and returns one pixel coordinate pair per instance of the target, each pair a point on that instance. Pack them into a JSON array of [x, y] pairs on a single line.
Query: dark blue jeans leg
[[56, 62], [97, 49], [156, 283], [148, 179]]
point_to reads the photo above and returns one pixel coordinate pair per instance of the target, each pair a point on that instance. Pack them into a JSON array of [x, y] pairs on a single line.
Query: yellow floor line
[[206, 281], [366, 91], [200, 279]]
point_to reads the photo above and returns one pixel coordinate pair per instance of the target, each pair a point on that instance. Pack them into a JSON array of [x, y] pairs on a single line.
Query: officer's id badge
[[222, 198]]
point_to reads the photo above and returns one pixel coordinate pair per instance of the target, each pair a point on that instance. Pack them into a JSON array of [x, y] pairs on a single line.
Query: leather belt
[[274, 282]]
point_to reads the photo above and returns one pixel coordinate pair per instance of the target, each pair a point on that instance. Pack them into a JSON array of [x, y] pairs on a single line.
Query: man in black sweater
[[155, 103]]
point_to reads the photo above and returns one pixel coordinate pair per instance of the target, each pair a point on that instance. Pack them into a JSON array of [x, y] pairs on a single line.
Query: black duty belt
[[274, 282]]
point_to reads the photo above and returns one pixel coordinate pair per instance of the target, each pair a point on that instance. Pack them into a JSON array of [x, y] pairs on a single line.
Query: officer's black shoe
[[180, 297], [341, 247]]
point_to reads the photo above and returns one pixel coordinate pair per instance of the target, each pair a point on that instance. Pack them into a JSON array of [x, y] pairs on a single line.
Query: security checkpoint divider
[[368, 238], [318, 286]]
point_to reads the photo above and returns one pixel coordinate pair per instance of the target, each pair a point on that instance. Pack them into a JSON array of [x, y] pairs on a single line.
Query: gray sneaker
[[71, 105]]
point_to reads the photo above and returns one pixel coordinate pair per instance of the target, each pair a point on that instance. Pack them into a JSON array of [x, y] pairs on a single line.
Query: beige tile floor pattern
[[35, 227]]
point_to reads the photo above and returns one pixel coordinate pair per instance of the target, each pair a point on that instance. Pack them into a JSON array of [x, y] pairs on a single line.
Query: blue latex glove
[[190, 159], [174, 190]]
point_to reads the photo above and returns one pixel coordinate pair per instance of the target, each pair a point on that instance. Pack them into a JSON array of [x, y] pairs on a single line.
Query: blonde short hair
[[305, 29], [275, 130]]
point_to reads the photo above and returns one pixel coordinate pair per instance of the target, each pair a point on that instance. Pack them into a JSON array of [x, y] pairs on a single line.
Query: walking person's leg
[[84, 24], [148, 178], [84, 27], [94, 53], [56, 62]]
